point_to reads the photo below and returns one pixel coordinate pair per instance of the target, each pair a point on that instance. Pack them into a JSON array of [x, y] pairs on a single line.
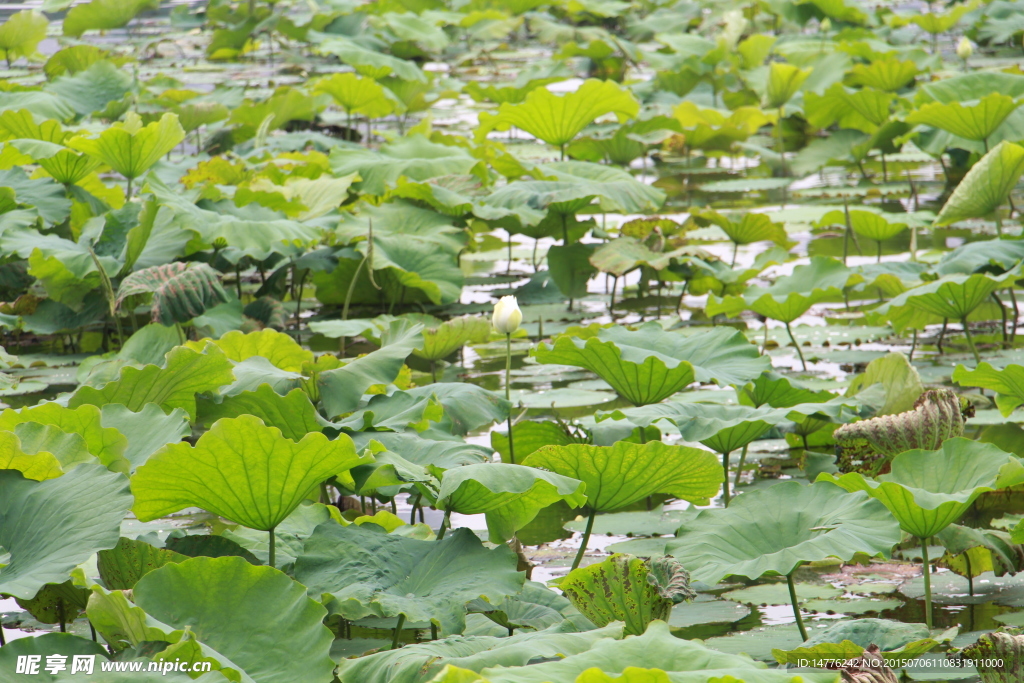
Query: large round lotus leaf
[[1008, 383], [38, 464], [689, 661], [442, 339], [986, 186], [509, 495], [721, 428], [44, 645], [775, 530], [361, 573], [620, 475], [649, 364], [147, 431], [51, 526], [241, 470], [419, 662], [952, 296], [790, 296], [105, 443], [706, 609], [258, 617], [929, 490], [778, 593]]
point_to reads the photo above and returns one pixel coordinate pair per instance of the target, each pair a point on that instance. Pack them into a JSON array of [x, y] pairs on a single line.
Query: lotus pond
[[511, 341]]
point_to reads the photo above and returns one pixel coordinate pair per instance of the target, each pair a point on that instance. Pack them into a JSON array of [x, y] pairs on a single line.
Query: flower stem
[[508, 393], [585, 540], [927, 583], [796, 606]]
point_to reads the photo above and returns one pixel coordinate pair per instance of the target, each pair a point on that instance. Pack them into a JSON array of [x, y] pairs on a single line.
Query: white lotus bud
[[507, 315], [826, 25], [964, 49]]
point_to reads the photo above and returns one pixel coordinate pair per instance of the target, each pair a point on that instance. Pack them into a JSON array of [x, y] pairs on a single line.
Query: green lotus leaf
[[103, 15], [778, 391], [365, 61], [529, 436], [123, 624], [175, 385], [868, 446], [1008, 383], [951, 296], [277, 347], [147, 430], [419, 662], [986, 255], [684, 660], [258, 239], [33, 463], [441, 339], [866, 224], [847, 640], [750, 228], [414, 158], [289, 535], [557, 119], [50, 644], [21, 34], [122, 566], [458, 408], [649, 364], [999, 657], [627, 589], [65, 166], [615, 189], [783, 82], [973, 121], [180, 291], [360, 573], [257, 616], [792, 295], [509, 495], [357, 95], [131, 148], [721, 428], [625, 254], [622, 474], [775, 530], [292, 413], [986, 186], [889, 74], [341, 389], [241, 470], [926, 491], [972, 552], [425, 452], [45, 547], [536, 607], [86, 422]]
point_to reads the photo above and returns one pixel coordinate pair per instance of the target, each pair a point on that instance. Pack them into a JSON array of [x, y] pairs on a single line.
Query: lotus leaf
[[558, 119], [649, 364], [241, 470], [986, 186], [283, 628], [51, 526], [359, 573], [509, 495], [1008, 383], [628, 589], [21, 34]]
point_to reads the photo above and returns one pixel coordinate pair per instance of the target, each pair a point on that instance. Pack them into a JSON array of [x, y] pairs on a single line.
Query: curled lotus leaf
[[870, 445], [868, 668], [1005, 648], [628, 589]]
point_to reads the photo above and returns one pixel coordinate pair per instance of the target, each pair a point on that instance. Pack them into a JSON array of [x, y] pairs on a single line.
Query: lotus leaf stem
[[796, 605], [433, 631], [970, 341], [273, 547], [927, 583], [445, 523], [797, 345], [398, 631], [725, 478], [739, 468], [2, 641], [585, 540]]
